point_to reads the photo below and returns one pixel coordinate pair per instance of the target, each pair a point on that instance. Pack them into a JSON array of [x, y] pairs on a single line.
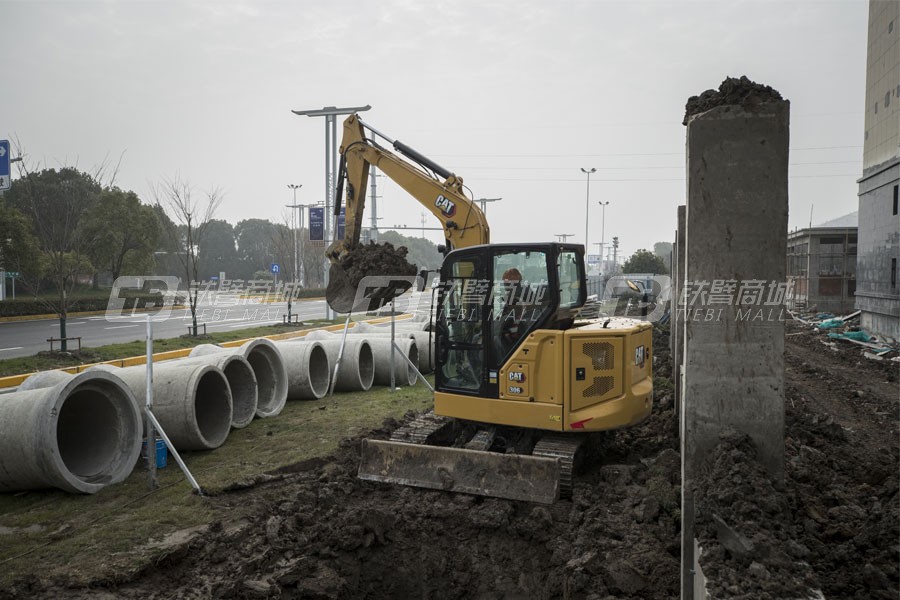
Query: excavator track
[[422, 429], [565, 448]]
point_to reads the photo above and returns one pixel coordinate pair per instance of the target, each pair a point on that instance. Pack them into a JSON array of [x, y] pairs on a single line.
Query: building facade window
[[895, 198]]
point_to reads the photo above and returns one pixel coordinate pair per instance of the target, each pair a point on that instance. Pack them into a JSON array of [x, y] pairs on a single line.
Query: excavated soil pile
[[377, 259], [368, 260], [732, 92], [834, 522]]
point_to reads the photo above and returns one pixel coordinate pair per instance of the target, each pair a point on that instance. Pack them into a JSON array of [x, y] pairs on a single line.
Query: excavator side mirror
[[442, 249]]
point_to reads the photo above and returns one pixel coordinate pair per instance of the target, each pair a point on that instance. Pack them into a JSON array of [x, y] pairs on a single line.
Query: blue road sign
[[275, 268], [316, 224], [5, 172]]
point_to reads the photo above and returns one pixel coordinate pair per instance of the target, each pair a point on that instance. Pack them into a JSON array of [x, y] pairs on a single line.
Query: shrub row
[[21, 307]]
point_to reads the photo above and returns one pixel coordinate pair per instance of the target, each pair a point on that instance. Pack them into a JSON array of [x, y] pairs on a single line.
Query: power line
[[615, 153], [854, 175], [639, 168]]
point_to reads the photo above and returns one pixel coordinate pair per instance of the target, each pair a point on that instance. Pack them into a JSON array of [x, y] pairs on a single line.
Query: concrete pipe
[[404, 374], [192, 401], [424, 341], [79, 434], [357, 370], [241, 380], [308, 370], [267, 364]]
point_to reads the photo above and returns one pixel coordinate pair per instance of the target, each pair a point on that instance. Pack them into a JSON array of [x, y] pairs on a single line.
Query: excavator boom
[[463, 222]]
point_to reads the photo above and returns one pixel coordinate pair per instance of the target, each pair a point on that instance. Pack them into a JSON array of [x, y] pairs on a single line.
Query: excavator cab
[[492, 297]]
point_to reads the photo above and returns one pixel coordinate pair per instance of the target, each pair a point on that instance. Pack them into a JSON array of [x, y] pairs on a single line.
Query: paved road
[[26, 338]]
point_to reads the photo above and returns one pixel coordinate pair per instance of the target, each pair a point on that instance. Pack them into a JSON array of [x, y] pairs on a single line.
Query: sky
[[516, 97]]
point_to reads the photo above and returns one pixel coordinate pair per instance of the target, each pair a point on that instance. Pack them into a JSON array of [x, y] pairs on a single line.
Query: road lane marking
[[5, 349], [122, 326]]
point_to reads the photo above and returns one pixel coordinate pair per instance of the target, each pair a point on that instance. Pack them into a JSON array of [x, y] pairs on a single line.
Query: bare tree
[[192, 212]]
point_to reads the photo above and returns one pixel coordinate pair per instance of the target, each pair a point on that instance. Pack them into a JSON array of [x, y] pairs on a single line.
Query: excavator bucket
[[343, 294], [511, 476], [360, 263]]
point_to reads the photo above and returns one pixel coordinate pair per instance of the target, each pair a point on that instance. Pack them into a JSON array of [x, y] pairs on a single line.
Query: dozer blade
[[511, 476]]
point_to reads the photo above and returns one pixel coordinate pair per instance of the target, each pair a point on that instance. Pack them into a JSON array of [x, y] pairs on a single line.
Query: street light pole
[[483, 202], [587, 206], [331, 164], [563, 236], [602, 231], [294, 208]]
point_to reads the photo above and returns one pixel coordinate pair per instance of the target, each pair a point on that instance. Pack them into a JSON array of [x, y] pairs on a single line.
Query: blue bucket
[[162, 453]]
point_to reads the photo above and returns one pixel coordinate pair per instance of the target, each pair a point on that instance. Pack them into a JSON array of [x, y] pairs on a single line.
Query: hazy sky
[[514, 96]]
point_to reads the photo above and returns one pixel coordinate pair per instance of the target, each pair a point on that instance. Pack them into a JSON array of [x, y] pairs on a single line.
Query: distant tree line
[[65, 228]]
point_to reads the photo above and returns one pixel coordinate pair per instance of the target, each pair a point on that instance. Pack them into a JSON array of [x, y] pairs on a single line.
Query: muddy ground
[[833, 523], [315, 531]]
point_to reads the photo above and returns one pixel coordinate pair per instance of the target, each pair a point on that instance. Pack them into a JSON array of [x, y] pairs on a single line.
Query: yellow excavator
[[521, 376]]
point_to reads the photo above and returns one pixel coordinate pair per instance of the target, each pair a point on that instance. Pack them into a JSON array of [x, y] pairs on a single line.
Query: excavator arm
[[463, 221]]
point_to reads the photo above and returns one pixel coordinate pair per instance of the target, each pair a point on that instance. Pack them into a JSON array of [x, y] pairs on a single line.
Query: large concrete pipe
[[356, 372], [241, 380], [192, 401], [308, 369], [78, 433], [404, 374], [424, 341], [267, 364]]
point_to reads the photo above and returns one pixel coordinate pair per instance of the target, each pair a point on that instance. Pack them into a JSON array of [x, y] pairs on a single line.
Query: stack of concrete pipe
[[380, 347], [78, 433], [356, 372], [410, 329], [191, 400], [268, 365], [82, 432]]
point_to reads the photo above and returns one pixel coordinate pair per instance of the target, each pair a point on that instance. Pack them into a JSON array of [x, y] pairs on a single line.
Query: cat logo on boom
[[447, 206]]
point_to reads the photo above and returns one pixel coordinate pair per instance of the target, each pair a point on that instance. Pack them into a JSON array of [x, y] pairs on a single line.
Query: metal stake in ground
[[152, 423], [393, 386], [148, 405], [337, 364]]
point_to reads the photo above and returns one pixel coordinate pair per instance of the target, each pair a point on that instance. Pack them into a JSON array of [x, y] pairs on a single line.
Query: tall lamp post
[[294, 187], [602, 231], [587, 206], [294, 208]]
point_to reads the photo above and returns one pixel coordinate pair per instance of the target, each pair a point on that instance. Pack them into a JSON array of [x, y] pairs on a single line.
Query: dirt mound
[[365, 260], [330, 535], [833, 523], [733, 91]]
